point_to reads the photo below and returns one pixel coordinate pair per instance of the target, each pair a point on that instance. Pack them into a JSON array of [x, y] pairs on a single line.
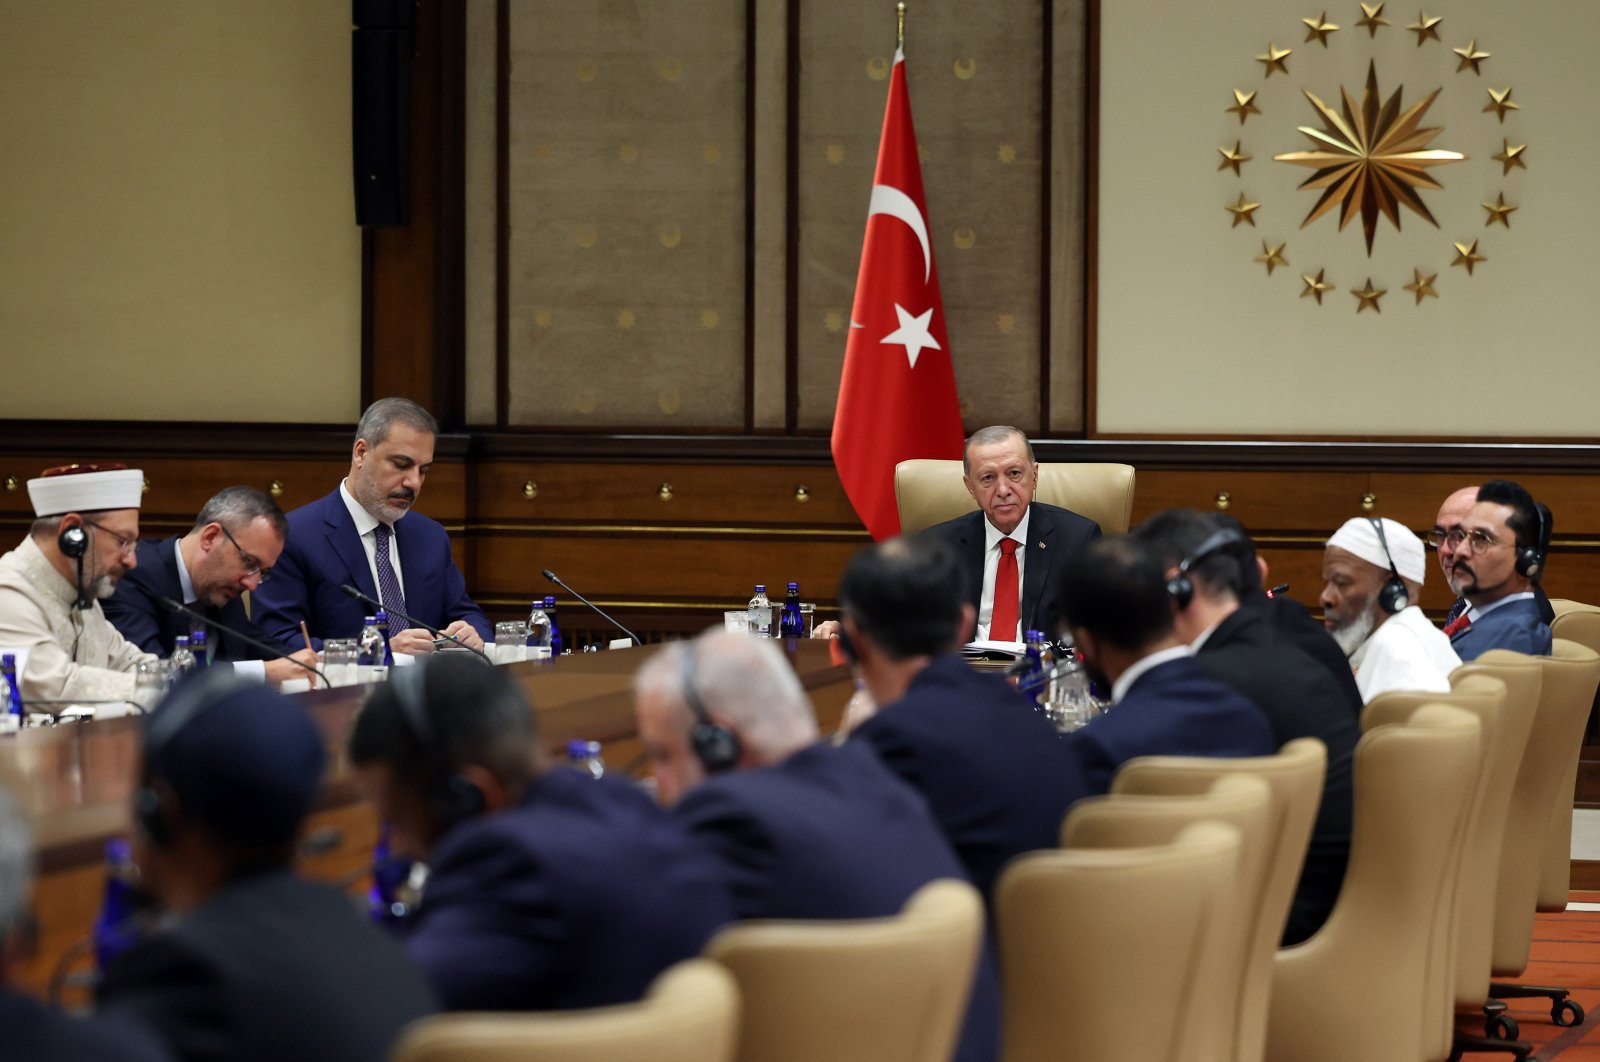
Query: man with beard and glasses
[[365, 535], [1448, 539], [1497, 559], [1372, 571]]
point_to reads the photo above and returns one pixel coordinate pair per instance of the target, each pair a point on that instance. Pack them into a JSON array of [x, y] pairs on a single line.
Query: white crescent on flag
[[896, 204]]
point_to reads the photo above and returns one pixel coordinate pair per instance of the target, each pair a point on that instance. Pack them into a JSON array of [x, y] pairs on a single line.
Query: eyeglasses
[[252, 566], [1478, 542], [125, 543]]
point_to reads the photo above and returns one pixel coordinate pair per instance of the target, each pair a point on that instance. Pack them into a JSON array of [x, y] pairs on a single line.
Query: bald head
[[1451, 513]]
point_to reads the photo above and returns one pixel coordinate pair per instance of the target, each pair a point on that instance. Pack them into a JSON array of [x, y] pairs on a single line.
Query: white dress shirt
[[256, 669], [1125, 681], [1405, 653], [1474, 613], [991, 564], [366, 524]]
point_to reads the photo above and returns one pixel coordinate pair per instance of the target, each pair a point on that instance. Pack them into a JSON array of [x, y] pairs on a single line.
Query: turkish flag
[[897, 394]]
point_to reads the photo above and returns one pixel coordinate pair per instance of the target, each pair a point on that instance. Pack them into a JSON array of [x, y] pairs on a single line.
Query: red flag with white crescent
[[897, 394]]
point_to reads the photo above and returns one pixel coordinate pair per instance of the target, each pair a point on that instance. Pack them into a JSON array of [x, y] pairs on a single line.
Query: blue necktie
[[388, 583]]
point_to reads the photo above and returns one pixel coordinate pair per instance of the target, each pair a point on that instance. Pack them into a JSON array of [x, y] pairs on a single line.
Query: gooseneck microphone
[[274, 653], [554, 578], [436, 632]]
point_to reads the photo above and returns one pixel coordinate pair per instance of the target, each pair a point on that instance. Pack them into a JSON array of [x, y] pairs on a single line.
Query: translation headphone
[[73, 542], [715, 746], [186, 704], [1530, 561], [1392, 596], [1181, 587], [453, 797]]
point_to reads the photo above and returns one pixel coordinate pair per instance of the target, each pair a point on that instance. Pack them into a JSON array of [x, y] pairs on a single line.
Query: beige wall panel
[[179, 238], [627, 214], [1195, 337], [481, 174], [974, 72]]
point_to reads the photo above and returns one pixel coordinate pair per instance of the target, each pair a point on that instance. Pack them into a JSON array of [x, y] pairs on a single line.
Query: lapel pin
[[1041, 544]]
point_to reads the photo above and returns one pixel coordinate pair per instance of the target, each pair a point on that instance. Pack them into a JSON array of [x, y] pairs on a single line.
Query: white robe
[[1405, 653]]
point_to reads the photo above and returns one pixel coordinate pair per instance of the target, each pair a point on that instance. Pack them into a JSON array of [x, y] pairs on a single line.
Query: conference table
[[75, 781]]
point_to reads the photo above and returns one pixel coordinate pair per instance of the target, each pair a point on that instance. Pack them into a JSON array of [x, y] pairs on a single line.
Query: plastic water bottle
[[183, 660], [585, 756], [115, 930], [389, 874], [1034, 651], [369, 647], [380, 620], [792, 624], [11, 691], [759, 614], [197, 646], [555, 628], [538, 642]]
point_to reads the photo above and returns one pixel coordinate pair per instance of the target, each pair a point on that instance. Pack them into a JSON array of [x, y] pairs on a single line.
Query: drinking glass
[[339, 661], [510, 641], [150, 682]]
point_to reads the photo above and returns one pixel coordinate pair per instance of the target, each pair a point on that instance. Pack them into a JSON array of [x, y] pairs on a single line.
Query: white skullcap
[[1359, 536], [85, 488]]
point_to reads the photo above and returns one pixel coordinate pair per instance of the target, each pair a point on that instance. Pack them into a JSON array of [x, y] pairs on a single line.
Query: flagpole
[[900, 25]]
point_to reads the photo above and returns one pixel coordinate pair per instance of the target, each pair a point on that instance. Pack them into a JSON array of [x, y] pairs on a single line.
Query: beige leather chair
[[1114, 941], [878, 990], [1576, 622], [691, 1014], [1295, 776], [1356, 988], [929, 492], [1123, 821]]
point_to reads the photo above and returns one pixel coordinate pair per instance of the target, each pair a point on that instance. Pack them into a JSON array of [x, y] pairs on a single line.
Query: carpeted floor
[[1566, 953]]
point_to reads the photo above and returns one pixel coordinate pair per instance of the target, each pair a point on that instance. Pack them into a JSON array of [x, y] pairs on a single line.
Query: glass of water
[[510, 641], [339, 661], [150, 682]]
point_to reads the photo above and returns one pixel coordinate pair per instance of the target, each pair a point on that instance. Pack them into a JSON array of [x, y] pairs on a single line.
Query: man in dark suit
[[801, 829], [1448, 539], [230, 551], [1115, 605], [990, 765], [1240, 648], [257, 963], [365, 535], [548, 889], [1498, 559]]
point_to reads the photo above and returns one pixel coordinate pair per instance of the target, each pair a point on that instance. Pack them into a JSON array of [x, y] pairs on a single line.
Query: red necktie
[[1457, 625], [1003, 617]]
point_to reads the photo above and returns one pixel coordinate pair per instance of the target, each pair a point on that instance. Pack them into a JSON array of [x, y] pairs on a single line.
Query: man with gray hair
[[359, 536], [230, 551]]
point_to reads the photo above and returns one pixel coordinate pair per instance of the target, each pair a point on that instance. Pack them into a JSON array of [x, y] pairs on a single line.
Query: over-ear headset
[[1393, 595], [73, 542], [715, 746], [452, 798], [1530, 560], [187, 703], [1181, 587]]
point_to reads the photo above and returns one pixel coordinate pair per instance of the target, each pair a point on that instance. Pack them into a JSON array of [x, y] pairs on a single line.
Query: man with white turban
[[82, 541], [1372, 572]]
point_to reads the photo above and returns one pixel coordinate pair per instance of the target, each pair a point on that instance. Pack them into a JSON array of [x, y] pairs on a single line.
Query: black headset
[[73, 542], [1530, 559], [453, 798], [186, 704], [715, 746], [1180, 587], [1393, 595]]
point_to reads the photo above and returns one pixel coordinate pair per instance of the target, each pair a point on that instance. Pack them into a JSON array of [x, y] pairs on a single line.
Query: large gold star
[[1244, 211], [1426, 28], [1470, 56], [1243, 105], [1372, 18], [1499, 211], [1421, 286], [1272, 256], [1467, 255], [1232, 158], [1318, 29], [1274, 59], [1369, 296], [1315, 285], [1510, 156], [1372, 159], [1500, 103]]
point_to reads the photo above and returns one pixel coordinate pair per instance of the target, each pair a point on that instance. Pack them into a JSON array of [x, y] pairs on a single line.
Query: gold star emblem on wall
[[1467, 255], [1426, 28], [1274, 59], [1372, 18], [1272, 256], [1242, 211], [1499, 210], [1470, 56], [1232, 158], [1315, 285], [1369, 296], [1243, 105], [1421, 286], [1510, 156], [1318, 29]]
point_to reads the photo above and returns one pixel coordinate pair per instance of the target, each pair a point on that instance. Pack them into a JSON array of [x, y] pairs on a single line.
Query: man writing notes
[[81, 543], [365, 535]]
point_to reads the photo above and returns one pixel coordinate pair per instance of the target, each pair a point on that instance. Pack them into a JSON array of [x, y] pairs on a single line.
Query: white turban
[[68, 490], [1359, 536]]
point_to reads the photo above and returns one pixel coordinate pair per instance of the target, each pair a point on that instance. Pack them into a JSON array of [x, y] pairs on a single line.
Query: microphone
[[436, 632], [274, 651], [554, 578]]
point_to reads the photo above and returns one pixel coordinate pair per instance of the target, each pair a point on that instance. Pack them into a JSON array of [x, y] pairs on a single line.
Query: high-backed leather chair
[[1242, 801], [690, 1014], [875, 990], [1356, 988], [1115, 942], [1576, 622], [930, 492], [1295, 775]]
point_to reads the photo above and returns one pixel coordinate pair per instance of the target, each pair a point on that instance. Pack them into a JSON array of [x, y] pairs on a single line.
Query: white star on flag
[[912, 334]]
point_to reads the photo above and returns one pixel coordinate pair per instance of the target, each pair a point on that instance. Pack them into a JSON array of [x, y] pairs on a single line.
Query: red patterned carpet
[[1566, 953]]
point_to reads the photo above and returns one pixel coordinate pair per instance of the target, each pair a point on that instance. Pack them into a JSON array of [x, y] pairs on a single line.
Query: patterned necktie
[[1457, 625], [1003, 617], [388, 583]]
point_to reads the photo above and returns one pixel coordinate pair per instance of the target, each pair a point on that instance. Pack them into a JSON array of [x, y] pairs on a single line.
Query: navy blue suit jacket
[[830, 833], [135, 610], [1175, 709], [1054, 536], [577, 897], [992, 768], [324, 552], [37, 1033], [1516, 625]]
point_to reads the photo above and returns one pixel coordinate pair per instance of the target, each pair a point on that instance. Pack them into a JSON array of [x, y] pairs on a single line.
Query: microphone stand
[[436, 632], [554, 578], [276, 653]]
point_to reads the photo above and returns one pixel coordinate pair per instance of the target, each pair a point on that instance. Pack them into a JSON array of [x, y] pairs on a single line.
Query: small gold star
[[1243, 211], [1232, 158], [1470, 56], [1422, 286], [1510, 156], [1500, 103], [1369, 295], [1467, 255], [1274, 58], [1319, 28], [1499, 211], [1315, 285], [1243, 105], [1007, 154], [1426, 28], [1372, 18], [1272, 256]]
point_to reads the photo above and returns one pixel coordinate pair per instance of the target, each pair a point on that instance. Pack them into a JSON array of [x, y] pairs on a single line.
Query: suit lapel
[[346, 544], [173, 623], [410, 553], [1041, 535], [972, 548]]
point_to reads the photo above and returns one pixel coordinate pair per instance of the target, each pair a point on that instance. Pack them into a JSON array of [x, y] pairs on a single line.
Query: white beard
[[1353, 634]]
